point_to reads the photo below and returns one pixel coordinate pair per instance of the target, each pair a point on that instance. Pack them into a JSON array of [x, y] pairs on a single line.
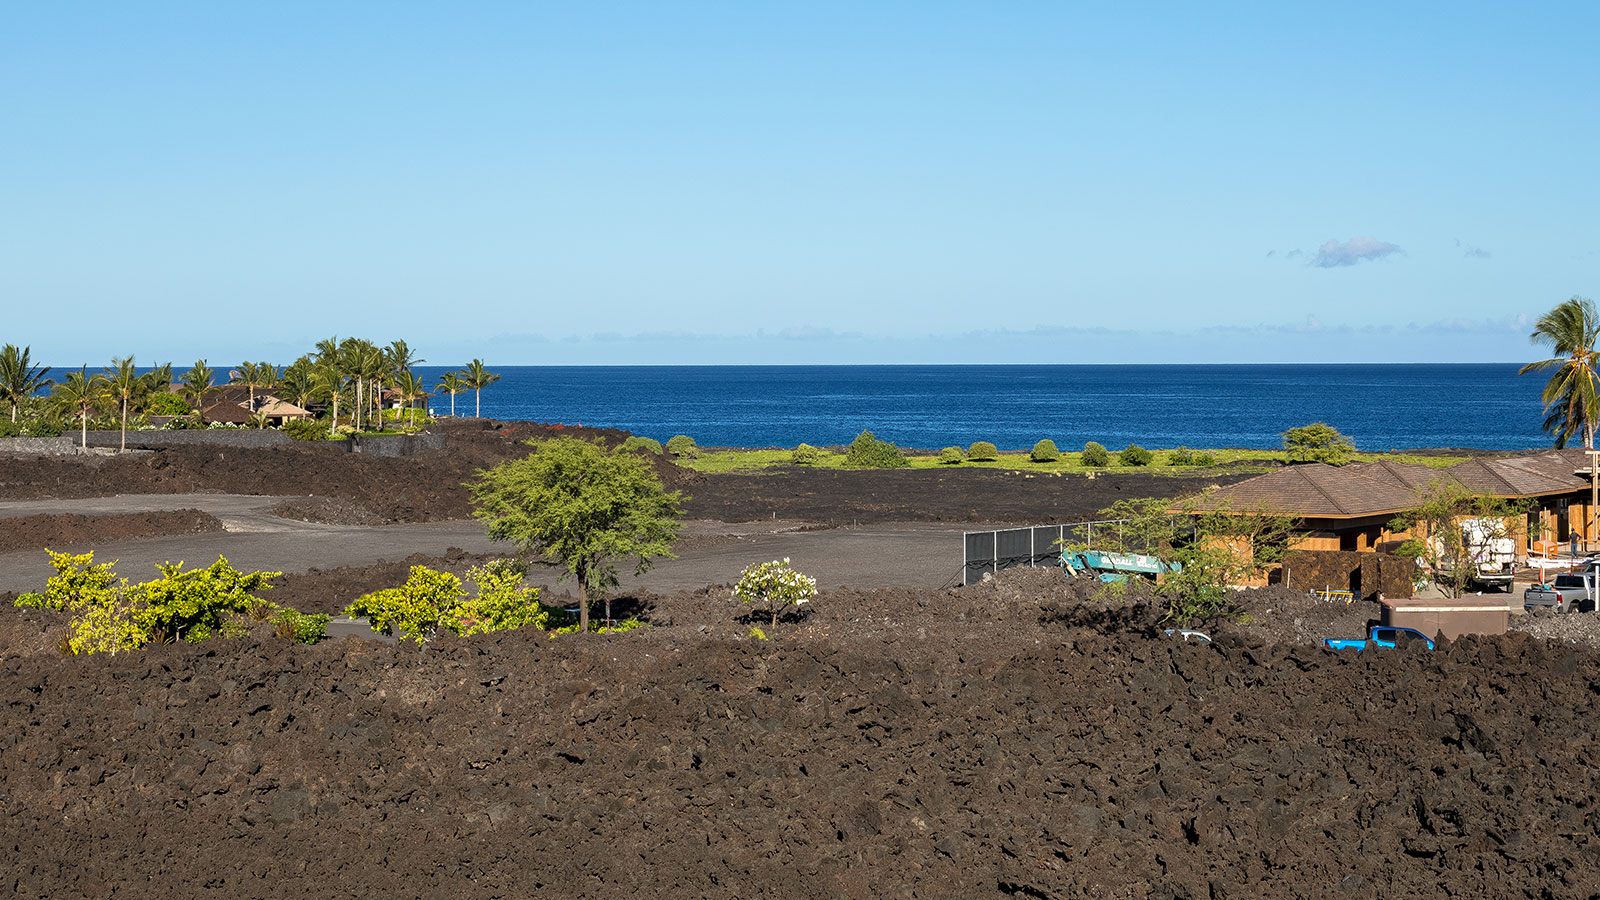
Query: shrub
[[983, 451], [951, 456], [416, 609], [867, 452], [502, 604], [1135, 455], [191, 605], [807, 455], [1184, 457], [302, 628], [111, 616], [306, 430], [775, 583], [635, 442], [1045, 451], [1095, 455], [165, 404], [683, 446]]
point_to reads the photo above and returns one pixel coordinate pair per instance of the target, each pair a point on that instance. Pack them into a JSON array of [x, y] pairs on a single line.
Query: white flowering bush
[[775, 583]]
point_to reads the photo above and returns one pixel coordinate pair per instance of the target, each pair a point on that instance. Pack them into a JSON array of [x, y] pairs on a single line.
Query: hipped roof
[[1317, 491]]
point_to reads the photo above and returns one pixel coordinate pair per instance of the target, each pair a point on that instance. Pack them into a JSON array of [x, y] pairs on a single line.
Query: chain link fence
[[987, 552]]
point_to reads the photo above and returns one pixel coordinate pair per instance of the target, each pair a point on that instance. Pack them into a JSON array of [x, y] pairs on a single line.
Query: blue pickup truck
[[1386, 636]]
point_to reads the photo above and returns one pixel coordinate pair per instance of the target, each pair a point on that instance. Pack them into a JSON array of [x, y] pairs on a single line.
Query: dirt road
[[906, 555]]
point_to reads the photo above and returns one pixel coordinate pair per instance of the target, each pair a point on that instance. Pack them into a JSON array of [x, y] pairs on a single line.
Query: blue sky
[[682, 182]]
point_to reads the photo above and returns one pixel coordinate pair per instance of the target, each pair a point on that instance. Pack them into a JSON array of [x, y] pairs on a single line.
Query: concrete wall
[[395, 444], [200, 437], [40, 446]]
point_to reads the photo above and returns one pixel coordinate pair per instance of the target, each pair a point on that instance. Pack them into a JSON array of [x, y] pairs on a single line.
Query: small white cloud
[[1361, 249]]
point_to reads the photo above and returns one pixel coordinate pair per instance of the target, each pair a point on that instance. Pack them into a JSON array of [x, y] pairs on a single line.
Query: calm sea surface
[[1380, 406]]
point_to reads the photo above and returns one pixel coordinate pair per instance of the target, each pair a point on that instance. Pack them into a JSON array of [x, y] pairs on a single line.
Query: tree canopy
[[582, 507], [1571, 398], [1318, 442]]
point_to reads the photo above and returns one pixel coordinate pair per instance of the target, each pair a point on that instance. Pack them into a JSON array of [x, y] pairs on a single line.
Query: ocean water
[[1380, 406]]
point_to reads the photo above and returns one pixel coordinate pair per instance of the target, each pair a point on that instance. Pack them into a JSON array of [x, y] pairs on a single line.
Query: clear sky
[[809, 182]]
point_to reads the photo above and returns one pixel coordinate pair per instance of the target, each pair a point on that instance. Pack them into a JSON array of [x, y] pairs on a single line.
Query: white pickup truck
[[1494, 553]]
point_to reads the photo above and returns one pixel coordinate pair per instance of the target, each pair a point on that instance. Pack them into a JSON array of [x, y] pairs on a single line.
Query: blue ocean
[[1381, 407]]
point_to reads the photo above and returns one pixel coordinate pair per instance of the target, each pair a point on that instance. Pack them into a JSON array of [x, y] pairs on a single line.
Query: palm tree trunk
[[477, 411], [124, 425], [452, 407], [85, 428]]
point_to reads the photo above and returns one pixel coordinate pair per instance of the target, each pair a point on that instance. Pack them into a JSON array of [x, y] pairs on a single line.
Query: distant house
[[1350, 507], [279, 411], [226, 413]]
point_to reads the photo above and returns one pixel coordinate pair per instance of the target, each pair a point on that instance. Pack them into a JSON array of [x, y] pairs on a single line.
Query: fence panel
[[987, 552]]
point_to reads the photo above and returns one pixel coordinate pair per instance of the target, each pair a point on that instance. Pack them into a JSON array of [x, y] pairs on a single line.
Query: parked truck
[[1493, 553], [1565, 592]]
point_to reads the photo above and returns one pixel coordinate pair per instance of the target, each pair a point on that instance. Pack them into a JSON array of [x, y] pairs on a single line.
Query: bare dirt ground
[[1027, 737]]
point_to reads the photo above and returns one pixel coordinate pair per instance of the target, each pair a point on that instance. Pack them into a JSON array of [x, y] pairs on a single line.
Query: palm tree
[[450, 383], [1572, 397], [19, 377], [476, 377], [363, 361], [196, 382], [122, 382], [331, 372], [411, 390], [79, 394], [299, 383], [157, 380]]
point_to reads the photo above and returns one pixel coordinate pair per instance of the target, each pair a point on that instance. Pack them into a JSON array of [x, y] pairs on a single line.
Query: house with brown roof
[[1350, 507]]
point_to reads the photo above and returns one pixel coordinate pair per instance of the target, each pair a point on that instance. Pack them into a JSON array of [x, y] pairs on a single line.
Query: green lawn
[[737, 461]]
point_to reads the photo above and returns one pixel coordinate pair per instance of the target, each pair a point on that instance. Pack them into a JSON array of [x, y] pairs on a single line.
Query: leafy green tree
[[1571, 398], [450, 383], [1044, 451], [197, 382], [1095, 455], [79, 395], [190, 605], [951, 456], [639, 442], [502, 603], [1318, 442], [867, 452], [19, 377], [1437, 537], [123, 384], [682, 446], [777, 584], [582, 507], [476, 377]]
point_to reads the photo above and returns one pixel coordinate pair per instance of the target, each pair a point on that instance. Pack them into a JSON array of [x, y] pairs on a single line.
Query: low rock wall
[[199, 437], [39, 446]]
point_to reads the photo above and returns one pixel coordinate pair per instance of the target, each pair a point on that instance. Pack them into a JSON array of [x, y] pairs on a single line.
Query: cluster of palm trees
[[353, 373], [79, 393]]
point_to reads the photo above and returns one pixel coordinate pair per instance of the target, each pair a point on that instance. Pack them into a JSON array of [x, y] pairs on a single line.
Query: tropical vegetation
[[1571, 398]]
